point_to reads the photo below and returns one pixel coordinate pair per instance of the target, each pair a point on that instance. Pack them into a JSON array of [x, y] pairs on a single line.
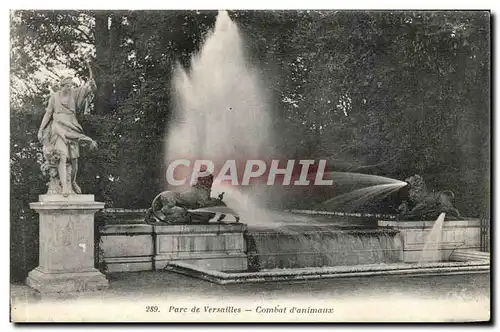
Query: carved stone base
[[72, 198], [66, 260], [66, 282]]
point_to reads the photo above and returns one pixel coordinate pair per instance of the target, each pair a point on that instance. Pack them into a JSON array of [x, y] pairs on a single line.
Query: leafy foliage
[[389, 93]]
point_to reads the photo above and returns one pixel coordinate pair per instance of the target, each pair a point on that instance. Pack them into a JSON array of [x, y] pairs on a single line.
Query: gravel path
[[378, 298]]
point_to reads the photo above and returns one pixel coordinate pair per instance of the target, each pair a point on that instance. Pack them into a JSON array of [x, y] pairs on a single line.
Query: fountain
[[222, 115], [221, 110], [431, 252]]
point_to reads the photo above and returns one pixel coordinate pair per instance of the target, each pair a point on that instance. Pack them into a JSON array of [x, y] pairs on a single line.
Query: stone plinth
[[66, 259], [456, 234], [140, 247]]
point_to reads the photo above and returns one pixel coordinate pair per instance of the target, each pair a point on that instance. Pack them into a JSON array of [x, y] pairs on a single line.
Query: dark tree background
[[385, 93]]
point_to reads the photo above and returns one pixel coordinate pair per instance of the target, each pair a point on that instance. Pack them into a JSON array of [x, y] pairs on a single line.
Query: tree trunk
[[103, 56]]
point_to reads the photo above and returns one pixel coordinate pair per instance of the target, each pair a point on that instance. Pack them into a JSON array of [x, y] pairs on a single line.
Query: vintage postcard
[[250, 166]]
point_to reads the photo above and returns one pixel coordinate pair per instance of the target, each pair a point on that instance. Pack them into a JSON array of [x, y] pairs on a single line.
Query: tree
[[133, 59]]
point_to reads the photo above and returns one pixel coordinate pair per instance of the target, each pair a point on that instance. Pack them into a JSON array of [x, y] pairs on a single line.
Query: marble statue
[[61, 135]]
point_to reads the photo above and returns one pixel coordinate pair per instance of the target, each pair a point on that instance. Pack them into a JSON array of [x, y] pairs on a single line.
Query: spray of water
[[255, 215], [431, 252], [359, 197], [222, 114], [349, 178], [221, 108]]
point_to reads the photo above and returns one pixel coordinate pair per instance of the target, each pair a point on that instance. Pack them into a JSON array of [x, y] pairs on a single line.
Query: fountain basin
[[303, 274], [233, 247], [126, 245]]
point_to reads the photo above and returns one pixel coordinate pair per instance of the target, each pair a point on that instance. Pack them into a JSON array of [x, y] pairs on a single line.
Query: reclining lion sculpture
[[188, 206], [423, 205]]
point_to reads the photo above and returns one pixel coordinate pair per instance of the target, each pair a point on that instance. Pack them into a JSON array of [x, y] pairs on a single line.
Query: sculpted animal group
[[173, 207], [422, 204]]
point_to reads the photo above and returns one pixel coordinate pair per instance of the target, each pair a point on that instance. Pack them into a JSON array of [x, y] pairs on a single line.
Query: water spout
[[431, 251]]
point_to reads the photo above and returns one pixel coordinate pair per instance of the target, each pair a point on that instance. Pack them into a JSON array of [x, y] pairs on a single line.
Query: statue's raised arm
[[61, 134], [83, 92]]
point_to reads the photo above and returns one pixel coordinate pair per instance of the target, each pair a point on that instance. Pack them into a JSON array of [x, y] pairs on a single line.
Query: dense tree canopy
[[390, 93], [387, 93]]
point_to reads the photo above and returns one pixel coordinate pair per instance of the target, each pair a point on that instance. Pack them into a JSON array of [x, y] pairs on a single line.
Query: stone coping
[[115, 216], [193, 228], [470, 222], [56, 206], [136, 229], [340, 230], [69, 198], [70, 202], [403, 269], [343, 214], [133, 229]]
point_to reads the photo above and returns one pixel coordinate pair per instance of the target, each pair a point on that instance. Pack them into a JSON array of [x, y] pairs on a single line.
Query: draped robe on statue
[[64, 131]]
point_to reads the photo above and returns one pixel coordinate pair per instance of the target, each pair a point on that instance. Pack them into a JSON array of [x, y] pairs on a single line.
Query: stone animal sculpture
[[172, 207], [423, 205]]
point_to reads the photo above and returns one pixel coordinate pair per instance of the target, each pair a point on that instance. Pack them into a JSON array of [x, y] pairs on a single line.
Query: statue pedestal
[[66, 261]]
